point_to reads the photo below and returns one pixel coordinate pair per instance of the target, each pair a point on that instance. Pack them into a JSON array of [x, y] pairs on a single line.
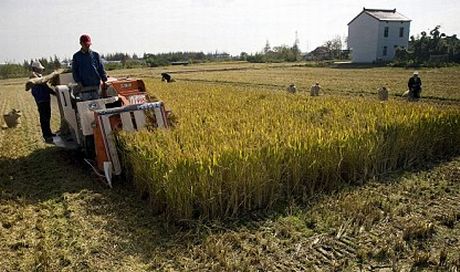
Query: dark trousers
[[415, 93], [44, 109]]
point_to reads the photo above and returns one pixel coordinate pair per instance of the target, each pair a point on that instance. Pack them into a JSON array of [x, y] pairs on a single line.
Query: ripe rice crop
[[237, 149]]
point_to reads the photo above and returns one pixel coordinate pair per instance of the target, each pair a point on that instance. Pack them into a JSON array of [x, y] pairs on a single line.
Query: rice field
[[438, 83], [55, 215], [237, 148]]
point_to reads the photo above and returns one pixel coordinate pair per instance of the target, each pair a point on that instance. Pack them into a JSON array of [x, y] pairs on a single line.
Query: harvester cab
[[90, 125]]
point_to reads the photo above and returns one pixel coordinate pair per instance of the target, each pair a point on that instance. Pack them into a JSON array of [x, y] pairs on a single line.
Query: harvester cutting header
[[93, 107]]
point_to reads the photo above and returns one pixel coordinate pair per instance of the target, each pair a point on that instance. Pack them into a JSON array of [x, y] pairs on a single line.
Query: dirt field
[[55, 215]]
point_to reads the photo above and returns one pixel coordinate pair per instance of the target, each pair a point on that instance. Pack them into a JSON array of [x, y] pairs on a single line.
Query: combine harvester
[[90, 125]]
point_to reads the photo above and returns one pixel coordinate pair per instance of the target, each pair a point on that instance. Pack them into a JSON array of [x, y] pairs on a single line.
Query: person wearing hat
[[415, 86], [292, 88], [314, 91], [87, 70], [41, 93], [383, 93]]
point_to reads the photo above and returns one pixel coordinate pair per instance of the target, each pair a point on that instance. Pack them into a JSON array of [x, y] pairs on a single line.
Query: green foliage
[[156, 60], [116, 57], [281, 53], [12, 70], [334, 46], [163, 59], [113, 66], [130, 64], [432, 49], [256, 58]]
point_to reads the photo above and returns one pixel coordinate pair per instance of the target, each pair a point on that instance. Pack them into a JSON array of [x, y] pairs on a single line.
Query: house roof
[[320, 50], [383, 15]]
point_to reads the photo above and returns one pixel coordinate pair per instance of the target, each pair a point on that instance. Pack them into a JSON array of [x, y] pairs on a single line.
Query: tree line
[[11, 70], [282, 53], [118, 61], [430, 49]]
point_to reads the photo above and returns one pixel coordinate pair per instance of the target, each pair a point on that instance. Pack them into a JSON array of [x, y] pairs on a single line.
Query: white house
[[374, 35]]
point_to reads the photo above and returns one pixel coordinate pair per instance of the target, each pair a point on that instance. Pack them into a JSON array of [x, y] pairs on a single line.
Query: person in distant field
[[167, 77], [41, 93], [383, 93], [88, 71], [315, 89], [415, 86], [292, 88]]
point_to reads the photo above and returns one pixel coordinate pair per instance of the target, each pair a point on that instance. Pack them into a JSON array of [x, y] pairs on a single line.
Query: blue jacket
[[87, 68], [41, 92]]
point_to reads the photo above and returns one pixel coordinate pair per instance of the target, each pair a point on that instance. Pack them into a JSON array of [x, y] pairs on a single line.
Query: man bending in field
[[167, 77]]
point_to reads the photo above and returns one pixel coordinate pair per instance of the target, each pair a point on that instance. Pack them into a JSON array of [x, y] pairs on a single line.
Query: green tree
[[11, 70], [334, 46], [432, 47], [244, 56]]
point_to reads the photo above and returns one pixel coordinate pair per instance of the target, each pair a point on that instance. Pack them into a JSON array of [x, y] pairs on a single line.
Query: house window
[[385, 33], [401, 32], [385, 49]]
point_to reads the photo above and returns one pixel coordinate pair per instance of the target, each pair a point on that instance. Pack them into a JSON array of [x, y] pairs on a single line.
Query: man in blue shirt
[[88, 70], [41, 92]]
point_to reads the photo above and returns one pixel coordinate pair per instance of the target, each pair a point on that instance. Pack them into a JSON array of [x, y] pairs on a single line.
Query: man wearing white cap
[[41, 92], [415, 86]]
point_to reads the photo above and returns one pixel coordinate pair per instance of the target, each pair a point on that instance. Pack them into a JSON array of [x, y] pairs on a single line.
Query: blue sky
[[34, 29]]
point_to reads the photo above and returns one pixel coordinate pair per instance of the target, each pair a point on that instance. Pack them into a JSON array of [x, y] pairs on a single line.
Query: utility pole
[[296, 43]]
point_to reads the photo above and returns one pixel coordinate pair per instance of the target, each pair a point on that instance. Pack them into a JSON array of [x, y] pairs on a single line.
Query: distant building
[[323, 53], [375, 34], [66, 64], [104, 61], [320, 53], [180, 63]]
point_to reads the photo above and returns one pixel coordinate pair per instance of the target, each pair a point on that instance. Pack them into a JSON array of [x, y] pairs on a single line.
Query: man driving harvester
[[88, 71]]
